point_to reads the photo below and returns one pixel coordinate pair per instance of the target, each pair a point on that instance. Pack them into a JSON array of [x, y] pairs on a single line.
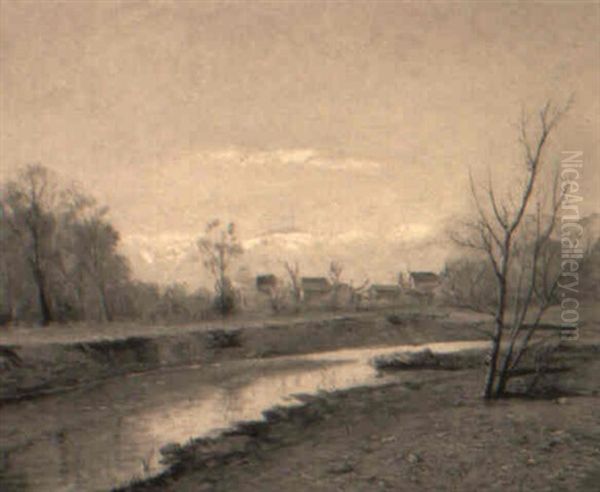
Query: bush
[[220, 339]]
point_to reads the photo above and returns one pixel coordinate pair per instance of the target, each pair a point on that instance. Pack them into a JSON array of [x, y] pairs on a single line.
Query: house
[[266, 283], [315, 284], [384, 293], [315, 288], [424, 282]]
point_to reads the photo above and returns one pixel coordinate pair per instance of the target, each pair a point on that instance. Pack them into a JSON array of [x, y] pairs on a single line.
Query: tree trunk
[[42, 297], [104, 304], [490, 380], [504, 371], [40, 278]]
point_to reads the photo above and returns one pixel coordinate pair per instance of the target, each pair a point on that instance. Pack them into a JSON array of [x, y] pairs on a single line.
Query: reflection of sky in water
[[97, 438], [225, 407]]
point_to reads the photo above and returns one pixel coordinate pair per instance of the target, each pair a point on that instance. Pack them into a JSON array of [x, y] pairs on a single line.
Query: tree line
[[60, 261]]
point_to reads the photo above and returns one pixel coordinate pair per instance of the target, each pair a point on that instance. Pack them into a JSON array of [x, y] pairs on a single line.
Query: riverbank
[[429, 432], [37, 362]]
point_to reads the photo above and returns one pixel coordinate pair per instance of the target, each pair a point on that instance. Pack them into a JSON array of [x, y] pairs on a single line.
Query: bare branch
[[502, 219]]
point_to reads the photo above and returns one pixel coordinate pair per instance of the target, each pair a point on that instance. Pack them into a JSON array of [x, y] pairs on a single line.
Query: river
[[102, 436]]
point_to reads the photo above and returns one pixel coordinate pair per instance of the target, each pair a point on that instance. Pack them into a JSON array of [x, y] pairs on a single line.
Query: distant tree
[[200, 304], [16, 285], [514, 234], [30, 204], [219, 247], [335, 272], [59, 250], [470, 283], [278, 296], [358, 293], [143, 299], [335, 278], [293, 271], [174, 303], [94, 245]]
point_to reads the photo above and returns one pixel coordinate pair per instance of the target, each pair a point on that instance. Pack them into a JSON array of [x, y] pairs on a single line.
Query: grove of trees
[[59, 252], [60, 261]]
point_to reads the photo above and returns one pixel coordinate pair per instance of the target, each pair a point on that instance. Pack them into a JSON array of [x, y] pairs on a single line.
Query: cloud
[[353, 236], [413, 232], [346, 164], [291, 158], [285, 240]]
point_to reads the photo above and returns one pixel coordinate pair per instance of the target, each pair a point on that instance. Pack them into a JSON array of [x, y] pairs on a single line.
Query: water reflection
[[98, 438]]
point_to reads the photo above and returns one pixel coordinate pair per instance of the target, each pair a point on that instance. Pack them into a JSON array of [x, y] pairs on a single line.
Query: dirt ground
[[432, 434]]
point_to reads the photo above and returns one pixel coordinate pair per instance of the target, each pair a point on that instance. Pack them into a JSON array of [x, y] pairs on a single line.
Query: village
[[322, 292]]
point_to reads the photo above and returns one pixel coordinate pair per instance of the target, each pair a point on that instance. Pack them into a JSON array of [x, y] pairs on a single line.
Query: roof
[[424, 276], [391, 288], [266, 281], [316, 284]]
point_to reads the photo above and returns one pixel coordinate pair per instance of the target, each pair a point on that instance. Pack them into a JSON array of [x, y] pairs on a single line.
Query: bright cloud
[[413, 232], [285, 157], [288, 240]]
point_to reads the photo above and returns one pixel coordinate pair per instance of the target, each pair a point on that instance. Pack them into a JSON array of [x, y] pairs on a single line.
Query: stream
[[102, 436]]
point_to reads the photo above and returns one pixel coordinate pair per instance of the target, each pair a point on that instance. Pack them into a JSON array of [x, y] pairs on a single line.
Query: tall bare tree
[[220, 246], [514, 233], [29, 204]]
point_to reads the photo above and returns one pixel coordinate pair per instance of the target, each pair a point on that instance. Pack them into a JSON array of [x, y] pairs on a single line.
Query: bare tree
[[469, 283], [220, 246], [514, 233], [358, 293], [29, 209], [174, 303], [335, 277], [15, 286], [94, 246], [293, 272], [277, 296], [56, 242]]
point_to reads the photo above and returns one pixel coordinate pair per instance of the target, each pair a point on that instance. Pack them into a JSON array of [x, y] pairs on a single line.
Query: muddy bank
[[34, 369], [427, 359], [431, 433]]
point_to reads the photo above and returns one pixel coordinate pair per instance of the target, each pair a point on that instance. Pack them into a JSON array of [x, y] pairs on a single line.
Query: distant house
[[266, 283], [315, 284], [315, 288], [424, 282], [384, 293]]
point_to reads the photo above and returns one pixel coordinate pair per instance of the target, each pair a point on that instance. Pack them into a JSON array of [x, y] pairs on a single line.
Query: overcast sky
[[330, 117]]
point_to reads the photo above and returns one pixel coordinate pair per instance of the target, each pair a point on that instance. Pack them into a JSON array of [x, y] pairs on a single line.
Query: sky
[[346, 122]]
